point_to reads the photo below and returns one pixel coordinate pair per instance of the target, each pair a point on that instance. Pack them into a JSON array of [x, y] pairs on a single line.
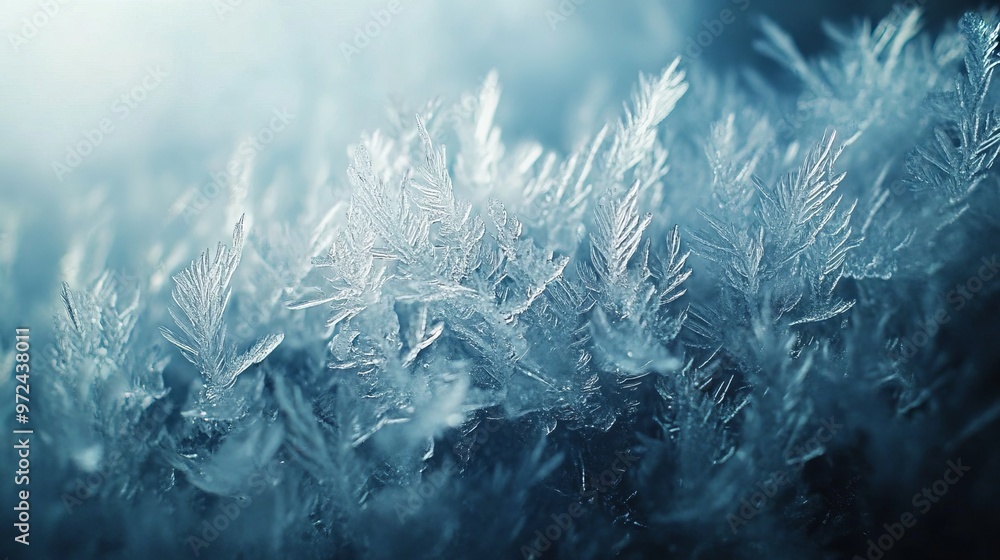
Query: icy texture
[[460, 346]]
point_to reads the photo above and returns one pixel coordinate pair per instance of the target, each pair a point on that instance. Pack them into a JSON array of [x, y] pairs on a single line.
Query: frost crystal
[[202, 293], [459, 341]]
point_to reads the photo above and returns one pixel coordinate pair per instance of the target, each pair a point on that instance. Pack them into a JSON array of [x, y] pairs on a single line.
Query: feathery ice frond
[[671, 273], [635, 135], [555, 199], [461, 230], [353, 281], [476, 166], [795, 257], [105, 383], [800, 206], [618, 229], [201, 293], [966, 145], [528, 270]]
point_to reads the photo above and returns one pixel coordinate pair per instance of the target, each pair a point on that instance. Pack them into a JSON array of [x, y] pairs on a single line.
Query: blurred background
[[166, 91]]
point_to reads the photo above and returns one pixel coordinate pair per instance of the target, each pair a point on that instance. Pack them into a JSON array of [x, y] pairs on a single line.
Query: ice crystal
[[460, 346]]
